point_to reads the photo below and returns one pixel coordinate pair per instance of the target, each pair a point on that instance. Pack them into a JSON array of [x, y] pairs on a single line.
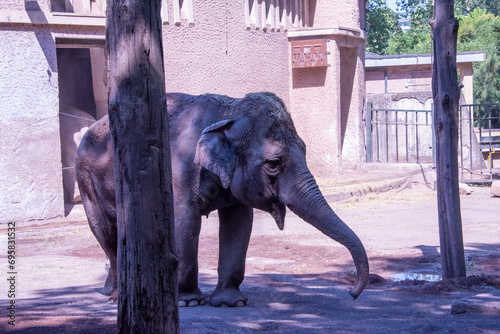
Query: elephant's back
[[207, 108], [95, 153], [189, 115], [97, 139]]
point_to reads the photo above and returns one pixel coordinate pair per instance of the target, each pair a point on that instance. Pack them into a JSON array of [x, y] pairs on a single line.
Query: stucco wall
[[348, 13], [30, 149], [352, 102], [315, 110], [327, 102], [399, 79], [218, 54], [30, 158], [214, 52], [24, 4]]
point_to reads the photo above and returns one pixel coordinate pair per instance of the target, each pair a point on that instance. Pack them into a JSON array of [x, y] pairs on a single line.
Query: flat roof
[[375, 60]]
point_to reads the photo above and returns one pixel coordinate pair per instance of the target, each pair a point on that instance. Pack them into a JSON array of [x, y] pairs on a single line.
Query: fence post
[[369, 130], [433, 138]]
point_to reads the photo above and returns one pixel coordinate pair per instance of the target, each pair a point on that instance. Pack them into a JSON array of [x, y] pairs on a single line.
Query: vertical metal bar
[[386, 136], [378, 139], [406, 133], [490, 148], [480, 123], [386, 81], [460, 141], [369, 133], [433, 137], [416, 133], [470, 115], [397, 145], [427, 113], [489, 121]]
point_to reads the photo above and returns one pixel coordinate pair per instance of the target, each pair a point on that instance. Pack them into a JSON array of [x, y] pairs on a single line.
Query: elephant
[[228, 154], [73, 123]]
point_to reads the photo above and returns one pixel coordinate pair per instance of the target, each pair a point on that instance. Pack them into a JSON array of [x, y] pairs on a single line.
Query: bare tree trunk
[[147, 263], [446, 96]]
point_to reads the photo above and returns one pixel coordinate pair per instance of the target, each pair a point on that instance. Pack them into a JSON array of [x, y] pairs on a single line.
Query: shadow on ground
[[307, 303]]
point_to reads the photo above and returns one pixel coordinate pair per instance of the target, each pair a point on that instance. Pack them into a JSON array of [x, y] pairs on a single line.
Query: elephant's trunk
[[304, 198]]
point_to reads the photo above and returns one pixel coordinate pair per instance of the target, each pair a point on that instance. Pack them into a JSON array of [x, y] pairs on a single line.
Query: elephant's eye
[[273, 164]]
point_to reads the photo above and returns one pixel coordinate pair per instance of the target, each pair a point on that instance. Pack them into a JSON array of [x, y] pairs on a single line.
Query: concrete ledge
[[360, 190], [334, 31]]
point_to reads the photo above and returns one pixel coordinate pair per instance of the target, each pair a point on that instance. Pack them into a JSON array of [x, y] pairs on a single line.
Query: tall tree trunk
[[446, 94], [147, 263]]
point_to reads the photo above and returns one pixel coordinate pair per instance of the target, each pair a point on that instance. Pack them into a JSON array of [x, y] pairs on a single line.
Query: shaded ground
[[297, 279]]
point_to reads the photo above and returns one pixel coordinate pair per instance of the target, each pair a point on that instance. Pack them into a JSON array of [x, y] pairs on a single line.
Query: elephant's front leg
[[188, 226], [234, 236]]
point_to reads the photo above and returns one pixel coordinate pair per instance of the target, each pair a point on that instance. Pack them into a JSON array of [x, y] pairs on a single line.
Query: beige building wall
[[232, 48], [217, 53], [399, 79], [467, 81], [327, 102], [410, 77], [30, 158], [348, 14], [31, 183]]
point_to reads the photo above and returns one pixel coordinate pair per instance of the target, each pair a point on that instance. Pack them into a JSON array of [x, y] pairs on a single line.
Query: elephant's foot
[[228, 297], [110, 287], [195, 298]]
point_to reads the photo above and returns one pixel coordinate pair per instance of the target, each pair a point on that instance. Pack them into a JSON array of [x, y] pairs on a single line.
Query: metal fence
[[400, 135], [479, 146]]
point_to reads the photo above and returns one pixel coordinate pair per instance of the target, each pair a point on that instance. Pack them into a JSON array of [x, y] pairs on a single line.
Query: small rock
[[495, 188], [465, 189]]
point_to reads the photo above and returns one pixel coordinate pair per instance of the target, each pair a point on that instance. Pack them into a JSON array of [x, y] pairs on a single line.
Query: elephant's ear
[[215, 151]]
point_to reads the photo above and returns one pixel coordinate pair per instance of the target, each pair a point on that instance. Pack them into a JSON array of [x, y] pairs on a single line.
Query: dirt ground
[[297, 279]]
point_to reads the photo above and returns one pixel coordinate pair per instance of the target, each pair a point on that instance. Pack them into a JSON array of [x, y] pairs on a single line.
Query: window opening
[[276, 14], [94, 7], [183, 10]]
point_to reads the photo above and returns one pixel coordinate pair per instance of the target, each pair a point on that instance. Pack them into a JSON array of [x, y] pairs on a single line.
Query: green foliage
[[412, 41], [480, 31], [382, 22], [467, 6], [418, 38], [419, 11]]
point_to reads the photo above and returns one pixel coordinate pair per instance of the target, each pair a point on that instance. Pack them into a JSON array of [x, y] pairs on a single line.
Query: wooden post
[[147, 263], [446, 95]]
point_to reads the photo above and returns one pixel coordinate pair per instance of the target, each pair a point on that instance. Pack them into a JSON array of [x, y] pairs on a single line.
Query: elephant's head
[[257, 153]]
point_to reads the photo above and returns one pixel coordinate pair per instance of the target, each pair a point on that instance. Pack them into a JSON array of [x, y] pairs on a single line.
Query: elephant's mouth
[[278, 211]]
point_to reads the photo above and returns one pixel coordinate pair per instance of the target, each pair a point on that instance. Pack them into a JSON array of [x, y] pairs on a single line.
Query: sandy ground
[[297, 279]]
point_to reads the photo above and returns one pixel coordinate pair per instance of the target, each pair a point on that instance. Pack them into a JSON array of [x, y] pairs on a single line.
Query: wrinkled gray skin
[[230, 155]]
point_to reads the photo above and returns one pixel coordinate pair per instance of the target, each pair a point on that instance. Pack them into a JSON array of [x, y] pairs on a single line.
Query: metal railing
[[479, 146], [402, 135], [399, 135]]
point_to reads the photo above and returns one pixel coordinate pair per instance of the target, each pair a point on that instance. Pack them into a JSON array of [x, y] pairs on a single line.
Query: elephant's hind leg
[[234, 236], [102, 223]]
